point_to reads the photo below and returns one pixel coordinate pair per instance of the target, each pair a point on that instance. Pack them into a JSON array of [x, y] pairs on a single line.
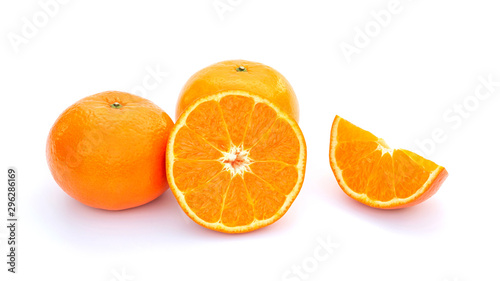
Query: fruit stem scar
[[241, 69], [116, 105]]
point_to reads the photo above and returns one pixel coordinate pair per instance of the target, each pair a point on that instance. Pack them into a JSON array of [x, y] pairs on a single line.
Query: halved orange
[[235, 161], [371, 172]]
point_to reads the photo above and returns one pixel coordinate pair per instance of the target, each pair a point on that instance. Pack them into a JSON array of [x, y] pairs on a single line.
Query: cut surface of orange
[[235, 161], [371, 172]]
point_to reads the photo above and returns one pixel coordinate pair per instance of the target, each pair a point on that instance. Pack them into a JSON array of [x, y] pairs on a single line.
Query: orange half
[[371, 172], [235, 161]]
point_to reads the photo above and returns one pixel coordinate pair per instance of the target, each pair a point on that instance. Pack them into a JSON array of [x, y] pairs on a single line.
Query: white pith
[[384, 148], [236, 161]]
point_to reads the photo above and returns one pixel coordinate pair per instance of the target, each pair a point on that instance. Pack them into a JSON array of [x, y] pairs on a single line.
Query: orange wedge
[[371, 172], [235, 161]]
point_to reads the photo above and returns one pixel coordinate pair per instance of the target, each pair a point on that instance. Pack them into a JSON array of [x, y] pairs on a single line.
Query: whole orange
[[241, 75], [108, 150]]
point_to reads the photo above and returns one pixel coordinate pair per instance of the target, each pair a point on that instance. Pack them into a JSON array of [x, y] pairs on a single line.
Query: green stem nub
[[116, 105], [241, 69]]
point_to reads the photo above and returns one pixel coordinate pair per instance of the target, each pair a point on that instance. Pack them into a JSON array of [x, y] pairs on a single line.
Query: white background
[[421, 66]]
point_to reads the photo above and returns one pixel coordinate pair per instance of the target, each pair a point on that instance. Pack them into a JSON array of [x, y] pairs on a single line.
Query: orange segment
[[238, 210], [409, 175], [348, 132], [270, 171], [191, 146], [262, 119], [235, 162], [279, 143], [236, 112], [380, 185], [426, 164], [207, 121], [192, 173], [206, 201], [369, 171], [267, 200], [357, 176], [359, 148]]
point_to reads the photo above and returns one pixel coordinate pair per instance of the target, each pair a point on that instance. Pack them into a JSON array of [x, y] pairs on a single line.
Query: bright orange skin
[[110, 158], [427, 194], [258, 79]]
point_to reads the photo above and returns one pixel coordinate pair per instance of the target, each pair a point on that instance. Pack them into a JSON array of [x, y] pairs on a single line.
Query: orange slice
[[371, 172], [235, 161]]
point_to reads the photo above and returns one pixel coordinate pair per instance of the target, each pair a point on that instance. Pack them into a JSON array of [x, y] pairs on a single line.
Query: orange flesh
[[236, 161], [371, 172]]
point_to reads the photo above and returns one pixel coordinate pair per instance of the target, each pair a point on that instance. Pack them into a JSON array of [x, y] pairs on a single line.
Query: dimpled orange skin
[[256, 78], [107, 157]]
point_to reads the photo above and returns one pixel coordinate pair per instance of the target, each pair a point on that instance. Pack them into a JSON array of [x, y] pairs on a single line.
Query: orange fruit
[[235, 161], [371, 172], [247, 76], [108, 150]]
